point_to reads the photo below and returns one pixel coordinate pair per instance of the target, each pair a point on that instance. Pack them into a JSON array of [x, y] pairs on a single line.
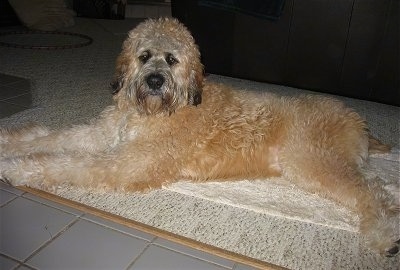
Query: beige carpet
[[268, 220]]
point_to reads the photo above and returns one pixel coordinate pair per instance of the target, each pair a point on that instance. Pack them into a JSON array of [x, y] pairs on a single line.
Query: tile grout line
[[16, 196], [21, 264], [65, 211], [82, 217], [8, 202], [140, 254], [11, 187], [18, 262], [191, 256], [35, 252]]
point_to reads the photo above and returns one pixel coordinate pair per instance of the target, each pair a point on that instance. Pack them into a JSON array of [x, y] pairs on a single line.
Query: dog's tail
[[377, 147]]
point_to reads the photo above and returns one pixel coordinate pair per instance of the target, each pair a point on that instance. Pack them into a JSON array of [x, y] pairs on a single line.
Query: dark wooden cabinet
[[343, 47]]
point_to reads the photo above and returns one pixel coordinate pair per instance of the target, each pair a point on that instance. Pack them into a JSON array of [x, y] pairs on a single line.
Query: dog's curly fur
[[169, 124]]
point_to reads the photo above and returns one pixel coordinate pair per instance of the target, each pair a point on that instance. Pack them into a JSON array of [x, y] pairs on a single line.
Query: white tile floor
[[39, 234]]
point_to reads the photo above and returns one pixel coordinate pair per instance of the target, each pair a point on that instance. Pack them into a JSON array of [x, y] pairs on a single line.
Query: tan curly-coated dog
[[169, 124]]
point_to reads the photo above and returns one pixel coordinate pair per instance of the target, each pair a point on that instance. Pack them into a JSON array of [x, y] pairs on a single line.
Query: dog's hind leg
[[331, 175], [376, 146]]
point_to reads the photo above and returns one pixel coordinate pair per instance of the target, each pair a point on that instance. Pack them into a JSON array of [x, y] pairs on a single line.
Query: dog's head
[[159, 68]]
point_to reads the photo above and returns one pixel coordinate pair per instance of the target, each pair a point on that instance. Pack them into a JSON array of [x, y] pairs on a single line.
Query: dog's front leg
[[47, 171], [105, 172], [23, 133], [77, 139], [91, 138]]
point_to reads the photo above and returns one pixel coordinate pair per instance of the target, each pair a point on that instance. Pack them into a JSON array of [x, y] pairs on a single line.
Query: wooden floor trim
[[155, 231]]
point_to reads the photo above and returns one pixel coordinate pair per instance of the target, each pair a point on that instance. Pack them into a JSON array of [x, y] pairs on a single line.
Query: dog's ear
[[196, 98], [195, 90], [121, 67], [116, 85]]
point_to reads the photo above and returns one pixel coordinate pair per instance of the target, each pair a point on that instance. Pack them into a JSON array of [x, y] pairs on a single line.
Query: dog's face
[[159, 68]]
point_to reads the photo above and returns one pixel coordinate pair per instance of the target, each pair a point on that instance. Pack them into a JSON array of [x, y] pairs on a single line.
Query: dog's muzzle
[[155, 82]]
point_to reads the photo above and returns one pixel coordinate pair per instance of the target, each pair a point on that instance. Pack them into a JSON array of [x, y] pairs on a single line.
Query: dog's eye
[[144, 57], [171, 60]]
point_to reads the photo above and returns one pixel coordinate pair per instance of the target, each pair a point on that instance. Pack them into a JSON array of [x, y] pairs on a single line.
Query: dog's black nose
[[155, 81]]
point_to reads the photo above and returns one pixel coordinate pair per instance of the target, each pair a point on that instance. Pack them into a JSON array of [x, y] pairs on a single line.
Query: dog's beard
[[149, 102], [152, 104]]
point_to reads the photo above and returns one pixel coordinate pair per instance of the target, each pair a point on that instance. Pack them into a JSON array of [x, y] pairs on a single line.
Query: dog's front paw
[[13, 174], [394, 250], [5, 180], [383, 236], [4, 165]]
